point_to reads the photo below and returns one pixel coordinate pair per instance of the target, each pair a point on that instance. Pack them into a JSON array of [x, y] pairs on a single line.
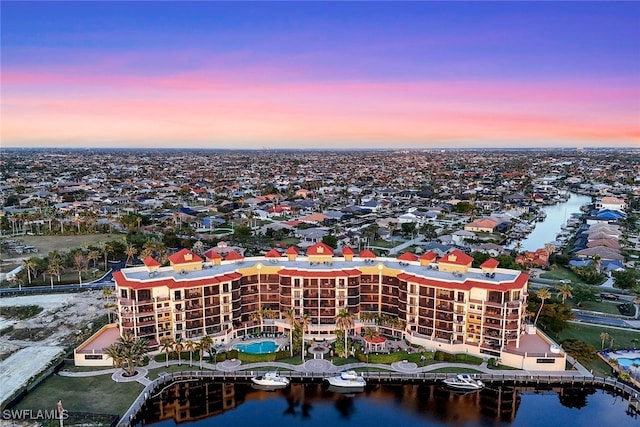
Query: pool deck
[[623, 354]]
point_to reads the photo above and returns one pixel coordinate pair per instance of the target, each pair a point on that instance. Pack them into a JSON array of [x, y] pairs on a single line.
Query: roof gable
[[456, 257], [408, 256], [184, 256], [320, 248]]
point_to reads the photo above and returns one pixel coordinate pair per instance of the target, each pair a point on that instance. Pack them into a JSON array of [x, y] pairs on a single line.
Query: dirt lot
[[46, 244], [27, 346]]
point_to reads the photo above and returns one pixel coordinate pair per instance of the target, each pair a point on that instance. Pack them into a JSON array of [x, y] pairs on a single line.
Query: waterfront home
[[442, 303]]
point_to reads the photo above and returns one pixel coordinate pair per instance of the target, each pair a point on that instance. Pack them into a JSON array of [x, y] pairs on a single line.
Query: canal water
[[557, 216], [207, 403]]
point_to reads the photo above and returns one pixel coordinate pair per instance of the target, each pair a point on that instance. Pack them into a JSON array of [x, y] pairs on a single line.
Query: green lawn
[[562, 274], [591, 335], [601, 306], [92, 394]]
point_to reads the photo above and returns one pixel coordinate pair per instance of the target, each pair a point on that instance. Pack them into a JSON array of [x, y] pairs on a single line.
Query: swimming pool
[[258, 347], [626, 363]]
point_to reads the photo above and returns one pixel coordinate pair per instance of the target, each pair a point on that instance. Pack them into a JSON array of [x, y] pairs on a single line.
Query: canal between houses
[[557, 216]]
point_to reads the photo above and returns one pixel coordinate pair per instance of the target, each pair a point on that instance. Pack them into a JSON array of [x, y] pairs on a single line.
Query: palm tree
[[565, 292], [128, 353], [54, 270], [178, 346], [344, 321], [79, 262], [94, 256], [543, 294], [370, 334], [597, 262], [259, 315], [200, 346], [290, 316], [190, 346], [207, 341], [130, 251], [107, 293], [166, 345], [603, 337], [518, 247], [30, 264], [305, 320]]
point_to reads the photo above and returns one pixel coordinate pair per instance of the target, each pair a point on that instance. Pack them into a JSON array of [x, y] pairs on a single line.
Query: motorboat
[[464, 382], [347, 379], [270, 379]]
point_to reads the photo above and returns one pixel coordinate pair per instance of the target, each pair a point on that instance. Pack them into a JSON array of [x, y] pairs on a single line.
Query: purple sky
[[320, 75]]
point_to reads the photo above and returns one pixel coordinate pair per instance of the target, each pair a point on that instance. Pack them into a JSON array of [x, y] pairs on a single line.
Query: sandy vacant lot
[[46, 244], [27, 346]]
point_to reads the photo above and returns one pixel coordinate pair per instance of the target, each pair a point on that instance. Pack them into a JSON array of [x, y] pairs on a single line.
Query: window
[[123, 293]]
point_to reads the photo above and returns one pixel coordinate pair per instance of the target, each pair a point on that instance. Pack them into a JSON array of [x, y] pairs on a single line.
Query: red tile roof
[[272, 254], [233, 256], [347, 251], [212, 254], [320, 248], [151, 262], [456, 257], [367, 254], [171, 283], [292, 250], [408, 256], [184, 256], [490, 263], [466, 285], [429, 256]]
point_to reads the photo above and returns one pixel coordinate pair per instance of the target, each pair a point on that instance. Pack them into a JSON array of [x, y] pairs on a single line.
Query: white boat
[[270, 379], [348, 379], [464, 382]]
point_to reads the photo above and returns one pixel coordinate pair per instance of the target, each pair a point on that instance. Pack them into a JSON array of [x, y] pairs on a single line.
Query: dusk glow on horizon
[[320, 75]]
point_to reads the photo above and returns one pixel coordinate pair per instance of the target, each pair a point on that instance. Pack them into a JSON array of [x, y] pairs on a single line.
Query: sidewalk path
[[317, 366]]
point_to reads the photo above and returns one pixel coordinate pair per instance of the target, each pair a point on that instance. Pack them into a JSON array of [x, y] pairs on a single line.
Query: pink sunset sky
[[63, 91]]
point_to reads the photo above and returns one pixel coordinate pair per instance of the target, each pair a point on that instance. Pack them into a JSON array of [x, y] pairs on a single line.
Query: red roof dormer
[[490, 264], [212, 255], [428, 256], [292, 250], [457, 257], [320, 249], [347, 251], [408, 256], [367, 254], [273, 253], [233, 256], [150, 262], [184, 256]]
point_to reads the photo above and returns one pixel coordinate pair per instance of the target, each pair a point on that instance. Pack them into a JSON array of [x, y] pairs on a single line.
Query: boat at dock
[[347, 379], [270, 379], [464, 382]]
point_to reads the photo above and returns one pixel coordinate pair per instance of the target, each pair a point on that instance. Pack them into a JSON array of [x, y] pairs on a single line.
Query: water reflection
[[315, 404]]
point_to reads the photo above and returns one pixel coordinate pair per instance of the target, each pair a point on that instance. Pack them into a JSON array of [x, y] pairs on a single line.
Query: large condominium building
[[440, 303]]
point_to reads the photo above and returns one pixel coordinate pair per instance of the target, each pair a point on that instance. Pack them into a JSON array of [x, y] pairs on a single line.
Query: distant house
[[311, 236], [482, 224], [539, 258], [612, 203]]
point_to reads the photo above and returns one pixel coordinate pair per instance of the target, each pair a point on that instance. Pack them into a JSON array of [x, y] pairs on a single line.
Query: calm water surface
[[557, 216], [215, 404]]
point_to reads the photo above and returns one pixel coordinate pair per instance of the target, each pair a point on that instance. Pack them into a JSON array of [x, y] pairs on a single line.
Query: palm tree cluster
[[128, 353], [392, 322], [169, 345]]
